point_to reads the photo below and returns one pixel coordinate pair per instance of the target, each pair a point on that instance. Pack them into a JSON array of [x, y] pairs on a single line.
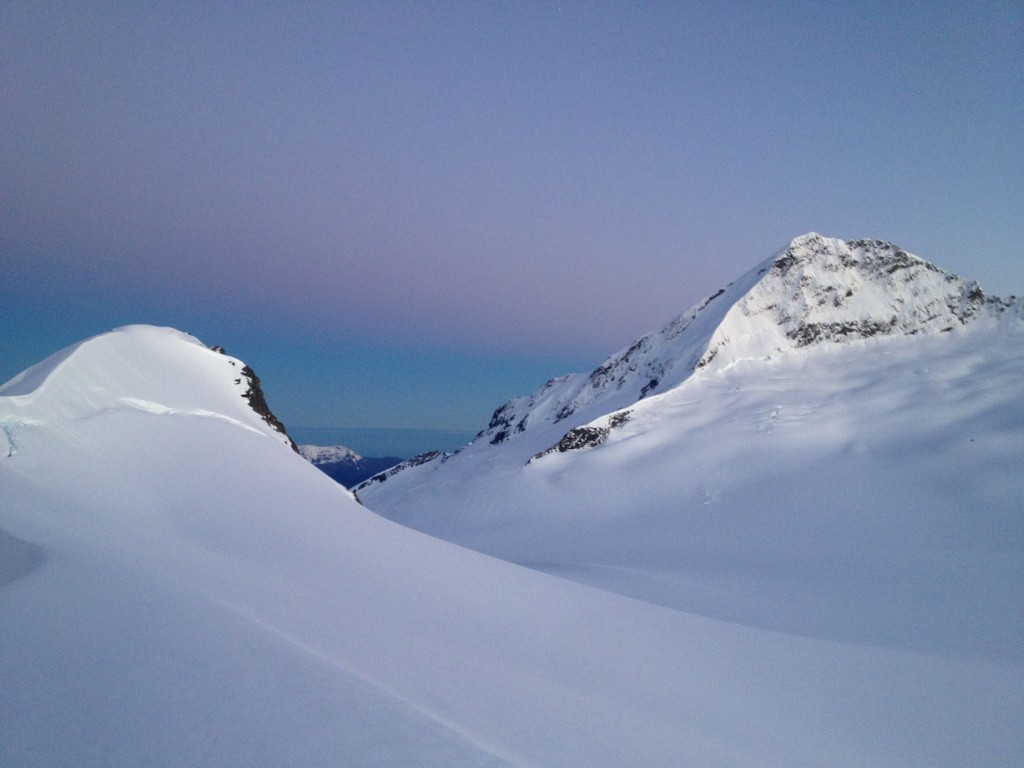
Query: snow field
[[812, 560]]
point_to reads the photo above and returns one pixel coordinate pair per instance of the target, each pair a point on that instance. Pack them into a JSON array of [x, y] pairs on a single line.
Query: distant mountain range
[[402, 442], [345, 465]]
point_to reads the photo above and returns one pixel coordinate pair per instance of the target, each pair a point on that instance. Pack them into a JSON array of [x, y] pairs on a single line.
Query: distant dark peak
[[258, 402]]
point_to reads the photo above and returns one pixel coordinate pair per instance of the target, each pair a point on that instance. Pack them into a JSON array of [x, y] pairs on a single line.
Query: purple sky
[[403, 213]]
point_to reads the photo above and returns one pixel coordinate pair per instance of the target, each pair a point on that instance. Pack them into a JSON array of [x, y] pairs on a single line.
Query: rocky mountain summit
[[816, 291]]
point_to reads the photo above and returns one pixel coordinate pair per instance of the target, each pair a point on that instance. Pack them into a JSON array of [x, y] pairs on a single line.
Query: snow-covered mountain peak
[[826, 290], [344, 465], [816, 290], [325, 454], [137, 368]]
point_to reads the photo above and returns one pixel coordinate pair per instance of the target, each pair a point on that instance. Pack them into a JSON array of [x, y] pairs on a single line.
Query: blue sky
[[401, 214]]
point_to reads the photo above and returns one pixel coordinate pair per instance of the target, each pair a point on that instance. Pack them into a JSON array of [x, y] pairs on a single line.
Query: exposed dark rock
[[502, 417], [809, 333], [619, 418], [708, 357], [576, 439], [649, 386], [501, 420], [612, 369], [710, 298], [258, 402], [564, 413], [415, 461], [579, 438]]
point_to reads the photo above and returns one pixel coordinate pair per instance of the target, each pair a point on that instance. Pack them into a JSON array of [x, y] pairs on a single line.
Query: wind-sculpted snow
[[30, 380], [194, 593], [88, 380]]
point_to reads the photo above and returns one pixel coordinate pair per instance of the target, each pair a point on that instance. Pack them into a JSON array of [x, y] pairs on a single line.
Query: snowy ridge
[[816, 290], [181, 376]]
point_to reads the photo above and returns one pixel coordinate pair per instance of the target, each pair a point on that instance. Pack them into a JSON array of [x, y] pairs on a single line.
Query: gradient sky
[[401, 214]]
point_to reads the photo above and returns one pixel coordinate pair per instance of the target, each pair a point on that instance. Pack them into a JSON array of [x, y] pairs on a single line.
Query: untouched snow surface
[[871, 493], [186, 590]]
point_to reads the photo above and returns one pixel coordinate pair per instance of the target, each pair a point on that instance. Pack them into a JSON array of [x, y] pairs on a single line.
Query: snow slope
[[186, 590], [832, 450], [868, 494]]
